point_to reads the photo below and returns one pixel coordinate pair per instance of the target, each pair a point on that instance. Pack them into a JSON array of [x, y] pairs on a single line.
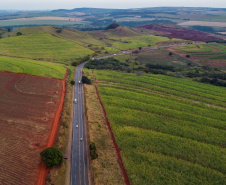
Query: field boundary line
[[52, 137], [125, 176]]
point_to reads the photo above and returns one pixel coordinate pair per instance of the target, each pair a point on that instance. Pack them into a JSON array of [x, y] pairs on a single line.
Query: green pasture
[[194, 49], [42, 46], [169, 130], [139, 41], [32, 67]]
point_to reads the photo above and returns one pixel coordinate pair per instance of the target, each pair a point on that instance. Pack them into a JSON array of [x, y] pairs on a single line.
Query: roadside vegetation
[[169, 130], [161, 61], [105, 167]]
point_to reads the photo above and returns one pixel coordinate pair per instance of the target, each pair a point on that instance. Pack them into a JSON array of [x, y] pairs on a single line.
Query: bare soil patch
[[179, 32], [203, 23], [27, 112]]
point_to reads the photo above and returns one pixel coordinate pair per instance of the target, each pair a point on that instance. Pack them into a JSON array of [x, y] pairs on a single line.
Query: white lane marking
[[75, 176]]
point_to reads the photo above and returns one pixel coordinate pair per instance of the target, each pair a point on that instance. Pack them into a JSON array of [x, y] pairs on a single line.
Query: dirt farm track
[[28, 105]]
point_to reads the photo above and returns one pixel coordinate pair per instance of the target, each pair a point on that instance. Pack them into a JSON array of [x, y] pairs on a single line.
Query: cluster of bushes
[[209, 75], [217, 41], [80, 60], [93, 153], [213, 81], [112, 26], [163, 67], [202, 74], [204, 28], [110, 63], [86, 80]]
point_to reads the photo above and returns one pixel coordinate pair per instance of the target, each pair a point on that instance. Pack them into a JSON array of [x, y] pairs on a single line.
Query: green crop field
[[169, 130], [32, 67], [42, 46], [194, 49]]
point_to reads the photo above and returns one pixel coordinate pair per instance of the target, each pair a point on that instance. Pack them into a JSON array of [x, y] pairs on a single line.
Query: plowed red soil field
[[180, 33], [28, 105]]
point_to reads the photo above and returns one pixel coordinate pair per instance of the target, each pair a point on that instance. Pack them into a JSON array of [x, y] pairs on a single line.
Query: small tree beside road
[[51, 157]]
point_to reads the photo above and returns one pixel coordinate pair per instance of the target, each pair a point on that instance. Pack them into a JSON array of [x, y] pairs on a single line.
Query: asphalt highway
[[79, 169]]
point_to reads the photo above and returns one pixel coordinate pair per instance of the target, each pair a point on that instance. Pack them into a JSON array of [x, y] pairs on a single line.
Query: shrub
[[51, 157], [59, 30], [19, 33], [93, 153], [170, 53], [86, 80], [188, 56], [74, 63], [112, 26], [72, 82]]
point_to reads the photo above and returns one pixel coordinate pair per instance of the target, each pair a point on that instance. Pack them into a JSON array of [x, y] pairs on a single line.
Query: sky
[[70, 4]]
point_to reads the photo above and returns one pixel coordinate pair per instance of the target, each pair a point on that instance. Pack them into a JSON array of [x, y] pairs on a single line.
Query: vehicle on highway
[[75, 100], [81, 139], [76, 126], [79, 81]]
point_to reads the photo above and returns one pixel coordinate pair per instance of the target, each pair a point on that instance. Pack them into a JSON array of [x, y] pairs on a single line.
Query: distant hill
[[90, 11]]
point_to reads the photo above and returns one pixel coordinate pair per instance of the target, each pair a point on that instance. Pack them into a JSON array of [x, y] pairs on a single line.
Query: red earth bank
[[27, 113]]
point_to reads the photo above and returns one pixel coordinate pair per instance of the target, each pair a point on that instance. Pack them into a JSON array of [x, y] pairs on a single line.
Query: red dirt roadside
[[52, 137], [125, 176]]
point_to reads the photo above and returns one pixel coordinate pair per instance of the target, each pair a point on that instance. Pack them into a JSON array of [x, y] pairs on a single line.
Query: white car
[[76, 126], [75, 100], [114, 54], [81, 139], [79, 81]]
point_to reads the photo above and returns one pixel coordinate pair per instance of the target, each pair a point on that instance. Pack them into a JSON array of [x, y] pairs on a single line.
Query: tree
[[188, 56], [51, 157], [170, 53], [74, 63], [93, 152], [59, 30], [140, 48], [112, 26], [19, 33], [72, 82], [86, 80]]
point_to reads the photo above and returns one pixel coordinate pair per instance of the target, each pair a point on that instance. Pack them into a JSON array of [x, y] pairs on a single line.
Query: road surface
[[79, 169]]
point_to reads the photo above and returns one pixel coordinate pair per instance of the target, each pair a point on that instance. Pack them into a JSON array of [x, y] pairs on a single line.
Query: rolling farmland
[[32, 67], [205, 54], [140, 41], [42, 46], [169, 130], [27, 112]]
